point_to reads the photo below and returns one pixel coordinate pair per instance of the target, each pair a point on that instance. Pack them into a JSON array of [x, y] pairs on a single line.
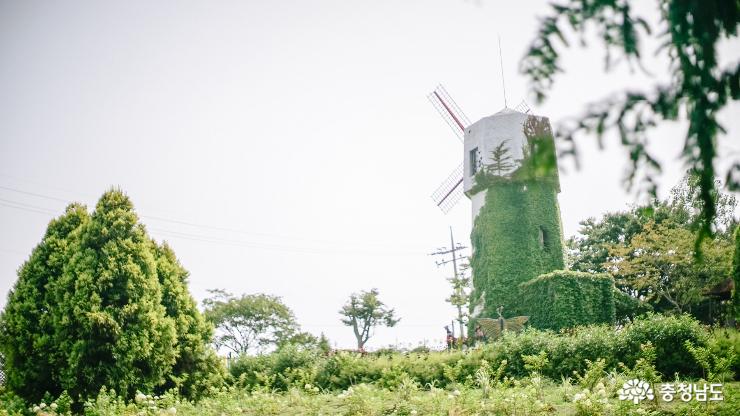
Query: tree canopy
[[699, 88], [658, 266], [98, 303], [650, 253], [251, 323], [363, 312]]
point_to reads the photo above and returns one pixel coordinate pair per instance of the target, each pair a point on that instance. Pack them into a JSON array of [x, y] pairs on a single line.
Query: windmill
[[451, 190], [516, 230]]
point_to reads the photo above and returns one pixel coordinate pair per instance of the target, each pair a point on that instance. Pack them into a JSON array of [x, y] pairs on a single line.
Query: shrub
[[725, 343], [576, 350], [668, 335], [564, 299]]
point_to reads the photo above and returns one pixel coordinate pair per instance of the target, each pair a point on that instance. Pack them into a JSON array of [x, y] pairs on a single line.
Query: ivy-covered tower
[[511, 178]]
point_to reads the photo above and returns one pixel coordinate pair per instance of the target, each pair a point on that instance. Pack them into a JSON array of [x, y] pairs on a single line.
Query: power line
[[29, 209], [34, 194], [197, 225], [241, 243], [223, 241]]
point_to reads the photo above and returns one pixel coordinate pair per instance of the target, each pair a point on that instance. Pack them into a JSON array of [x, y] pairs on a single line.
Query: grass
[[529, 396]]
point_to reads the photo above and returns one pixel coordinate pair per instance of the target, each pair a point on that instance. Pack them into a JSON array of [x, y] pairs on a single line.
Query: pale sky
[[287, 147]]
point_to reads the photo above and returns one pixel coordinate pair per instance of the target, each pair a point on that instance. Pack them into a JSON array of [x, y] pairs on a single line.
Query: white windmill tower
[[517, 234], [479, 140]]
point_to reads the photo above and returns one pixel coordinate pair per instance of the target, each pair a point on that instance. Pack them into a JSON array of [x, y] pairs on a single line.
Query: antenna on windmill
[[501, 60]]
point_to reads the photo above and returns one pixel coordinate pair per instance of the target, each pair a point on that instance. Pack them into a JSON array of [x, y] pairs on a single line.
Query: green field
[[530, 396]]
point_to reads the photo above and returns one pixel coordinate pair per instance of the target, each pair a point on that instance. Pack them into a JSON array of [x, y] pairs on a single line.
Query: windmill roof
[[506, 111]]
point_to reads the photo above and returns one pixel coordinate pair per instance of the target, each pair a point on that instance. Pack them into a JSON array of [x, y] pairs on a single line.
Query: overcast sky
[[287, 147]]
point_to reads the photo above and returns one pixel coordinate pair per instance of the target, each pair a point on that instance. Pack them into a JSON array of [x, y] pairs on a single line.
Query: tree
[[250, 323], [460, 296], [698, 87], [684, 205], [97, 304], [363, 312], [501, 161], [736, 277], [197, 366], [589, 251], [27, 329], [659, 265]]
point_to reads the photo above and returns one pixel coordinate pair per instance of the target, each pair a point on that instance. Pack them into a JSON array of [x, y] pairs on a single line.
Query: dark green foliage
[[698, 87], [667, 334], [99, 304], [566, 351], [627, 307], [564, 299]]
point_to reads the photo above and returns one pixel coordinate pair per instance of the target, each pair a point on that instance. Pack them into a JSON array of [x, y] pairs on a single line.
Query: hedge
[[564, 299], [567, 352]]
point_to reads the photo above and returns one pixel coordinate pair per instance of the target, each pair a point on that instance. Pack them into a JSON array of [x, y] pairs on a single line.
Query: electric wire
[[208, 227], [217, 240]]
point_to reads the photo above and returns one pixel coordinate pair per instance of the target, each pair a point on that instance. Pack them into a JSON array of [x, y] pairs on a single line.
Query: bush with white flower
[[592, 402]]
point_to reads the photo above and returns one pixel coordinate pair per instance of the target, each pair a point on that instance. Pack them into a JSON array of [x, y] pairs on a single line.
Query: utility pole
[[459, 297]]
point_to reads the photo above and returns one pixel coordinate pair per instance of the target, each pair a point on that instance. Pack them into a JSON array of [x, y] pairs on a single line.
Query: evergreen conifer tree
[[27, 327], [197, 367], [99, 303], [501, 161], [111, 323]]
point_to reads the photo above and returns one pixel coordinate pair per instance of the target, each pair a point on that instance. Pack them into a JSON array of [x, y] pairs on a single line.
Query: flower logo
[[635, 390]]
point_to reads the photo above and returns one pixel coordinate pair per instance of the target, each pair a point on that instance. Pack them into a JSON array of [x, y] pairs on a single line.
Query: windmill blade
[[522, 107], [450, 191], [449, 110]]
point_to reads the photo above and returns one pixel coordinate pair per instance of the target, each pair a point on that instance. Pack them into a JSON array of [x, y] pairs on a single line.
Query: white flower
[[36, 409], [140, 397], [172, 411], [53, 406], [456, 392]]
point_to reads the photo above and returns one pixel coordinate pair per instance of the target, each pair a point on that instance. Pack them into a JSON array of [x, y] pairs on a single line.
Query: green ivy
[[516, 237], [564, 299], [517, 234]]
